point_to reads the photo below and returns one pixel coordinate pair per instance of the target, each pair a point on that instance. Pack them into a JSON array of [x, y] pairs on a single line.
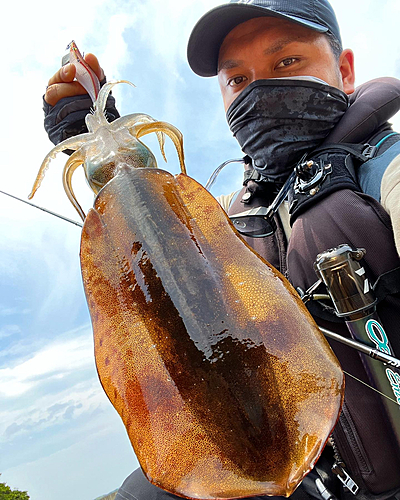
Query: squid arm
[[136, 120], [71, 143], [103, 95], [173, 133], [74, 161]]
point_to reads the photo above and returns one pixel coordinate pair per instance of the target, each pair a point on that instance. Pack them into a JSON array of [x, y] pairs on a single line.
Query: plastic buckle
[[369, 151]]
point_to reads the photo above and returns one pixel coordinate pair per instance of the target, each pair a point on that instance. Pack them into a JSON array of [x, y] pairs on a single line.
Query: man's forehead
[[276, 34], [257, 25]]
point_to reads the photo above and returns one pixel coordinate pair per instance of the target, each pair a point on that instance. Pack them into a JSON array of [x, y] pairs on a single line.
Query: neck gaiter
[[277, 120]]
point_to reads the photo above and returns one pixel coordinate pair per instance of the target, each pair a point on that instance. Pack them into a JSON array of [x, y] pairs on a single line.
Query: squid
[[225, 385]]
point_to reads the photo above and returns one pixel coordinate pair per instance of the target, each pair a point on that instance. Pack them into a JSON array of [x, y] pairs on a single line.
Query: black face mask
[[276, 121]]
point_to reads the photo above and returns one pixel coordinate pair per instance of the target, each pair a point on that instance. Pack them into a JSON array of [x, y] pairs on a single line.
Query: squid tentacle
[[71, 143], [100, 104], [128, 120], [136, 120], [173, 133], [72, 164]]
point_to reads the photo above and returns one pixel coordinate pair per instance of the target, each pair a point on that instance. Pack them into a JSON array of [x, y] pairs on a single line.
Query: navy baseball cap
[[209, 33]]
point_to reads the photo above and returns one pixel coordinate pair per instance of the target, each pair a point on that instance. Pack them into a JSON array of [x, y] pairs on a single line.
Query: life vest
[[329, 213]]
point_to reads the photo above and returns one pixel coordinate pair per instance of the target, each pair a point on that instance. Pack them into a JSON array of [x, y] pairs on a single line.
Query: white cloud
[[116, 45], [370, 29], [9, 330], [85, 470], [55, 360], [34, 415], [7, 311], [166, 26]]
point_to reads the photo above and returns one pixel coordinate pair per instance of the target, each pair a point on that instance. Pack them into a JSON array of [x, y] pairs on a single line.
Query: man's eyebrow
[[230, 64], [281, 44], [272, 49]]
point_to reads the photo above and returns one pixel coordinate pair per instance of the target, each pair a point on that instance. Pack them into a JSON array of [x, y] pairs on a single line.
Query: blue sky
[[60, 438]]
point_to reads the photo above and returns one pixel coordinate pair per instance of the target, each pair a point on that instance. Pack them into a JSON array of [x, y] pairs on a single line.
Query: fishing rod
[[365, 349], [354, 300], [43, 209]]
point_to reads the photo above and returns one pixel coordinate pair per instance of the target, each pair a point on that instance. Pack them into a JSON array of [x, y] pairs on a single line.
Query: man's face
[[268, 47]]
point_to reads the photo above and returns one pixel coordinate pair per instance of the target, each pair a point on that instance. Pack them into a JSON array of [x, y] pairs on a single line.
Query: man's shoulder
[[225, 200]]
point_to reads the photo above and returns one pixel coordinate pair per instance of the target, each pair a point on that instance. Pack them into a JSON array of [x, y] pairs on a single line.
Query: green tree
[[6, 493]]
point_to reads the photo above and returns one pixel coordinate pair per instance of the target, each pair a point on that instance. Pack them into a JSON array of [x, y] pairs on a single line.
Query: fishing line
[[373, 388], [43, 209]]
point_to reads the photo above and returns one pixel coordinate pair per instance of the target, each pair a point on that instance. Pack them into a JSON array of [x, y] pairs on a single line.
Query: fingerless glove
[[67, 118]]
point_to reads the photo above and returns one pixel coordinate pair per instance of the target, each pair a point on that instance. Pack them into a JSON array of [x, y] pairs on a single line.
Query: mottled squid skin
[[225, 384]]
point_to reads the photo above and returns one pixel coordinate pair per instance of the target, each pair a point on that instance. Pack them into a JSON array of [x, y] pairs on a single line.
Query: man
[[250, 45]]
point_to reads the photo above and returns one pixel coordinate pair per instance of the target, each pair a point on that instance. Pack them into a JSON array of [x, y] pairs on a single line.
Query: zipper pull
[[343, 476]]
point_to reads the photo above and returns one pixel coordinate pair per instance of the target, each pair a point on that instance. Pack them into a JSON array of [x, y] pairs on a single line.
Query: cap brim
[[209, 33]]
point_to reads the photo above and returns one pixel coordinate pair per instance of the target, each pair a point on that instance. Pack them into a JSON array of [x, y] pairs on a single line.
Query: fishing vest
[[327, 208]]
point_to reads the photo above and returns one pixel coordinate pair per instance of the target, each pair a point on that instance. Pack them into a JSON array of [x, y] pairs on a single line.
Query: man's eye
[[286, 62], [237, 80]]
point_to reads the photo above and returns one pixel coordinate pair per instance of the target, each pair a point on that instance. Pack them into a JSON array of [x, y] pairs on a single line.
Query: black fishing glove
[[67, 118]]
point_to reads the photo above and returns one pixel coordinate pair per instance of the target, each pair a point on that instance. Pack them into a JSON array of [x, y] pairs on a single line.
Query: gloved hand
[[66, 103]]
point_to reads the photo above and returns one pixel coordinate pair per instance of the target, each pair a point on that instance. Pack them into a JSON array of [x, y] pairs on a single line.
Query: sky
[[60, 438]]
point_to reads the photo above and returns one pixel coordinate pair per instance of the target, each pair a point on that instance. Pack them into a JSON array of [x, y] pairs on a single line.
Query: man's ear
[[346, 67]]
